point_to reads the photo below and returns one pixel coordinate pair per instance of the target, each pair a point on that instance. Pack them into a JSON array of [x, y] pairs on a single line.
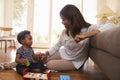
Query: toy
[[27, 63], [64, 77], [36, 76]]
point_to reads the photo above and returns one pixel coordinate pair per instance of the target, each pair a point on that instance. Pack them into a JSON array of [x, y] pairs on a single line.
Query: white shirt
[[76, 52]]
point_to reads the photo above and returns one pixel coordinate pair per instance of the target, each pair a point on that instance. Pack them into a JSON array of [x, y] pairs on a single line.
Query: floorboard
[[89, 71]]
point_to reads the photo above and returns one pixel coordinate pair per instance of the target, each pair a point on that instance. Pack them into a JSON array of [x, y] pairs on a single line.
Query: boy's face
[[28, 40]]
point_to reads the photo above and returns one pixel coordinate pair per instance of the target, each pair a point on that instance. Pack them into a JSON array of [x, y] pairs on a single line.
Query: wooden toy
[[37, 76]]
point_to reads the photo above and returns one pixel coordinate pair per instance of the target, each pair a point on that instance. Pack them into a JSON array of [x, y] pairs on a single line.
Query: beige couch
[[105, 52]]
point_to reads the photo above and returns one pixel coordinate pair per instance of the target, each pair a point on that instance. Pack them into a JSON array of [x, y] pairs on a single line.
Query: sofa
[[105, 52]]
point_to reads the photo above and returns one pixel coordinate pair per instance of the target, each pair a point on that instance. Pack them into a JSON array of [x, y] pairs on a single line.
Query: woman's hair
[[73, 14], [22, 35]]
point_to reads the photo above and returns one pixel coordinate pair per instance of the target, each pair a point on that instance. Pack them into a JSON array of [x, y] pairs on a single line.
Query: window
[[19, 15], [57, 26], [41, 27], [42, 18], [90, 11], [47, 22]]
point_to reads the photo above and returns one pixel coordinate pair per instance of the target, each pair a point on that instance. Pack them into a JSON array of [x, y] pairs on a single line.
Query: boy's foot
[[4, 66], [26, 71], [10, 65], [1, 66], [49, 71]]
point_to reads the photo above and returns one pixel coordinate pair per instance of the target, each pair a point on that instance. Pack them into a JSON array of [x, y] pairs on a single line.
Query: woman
[[71, 51]]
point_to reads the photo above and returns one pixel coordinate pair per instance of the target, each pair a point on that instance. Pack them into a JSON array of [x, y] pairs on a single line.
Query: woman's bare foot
[[49, 71]]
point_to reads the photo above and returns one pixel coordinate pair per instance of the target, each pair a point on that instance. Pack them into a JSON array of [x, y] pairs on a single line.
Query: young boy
[[25, 57], [25, 54]]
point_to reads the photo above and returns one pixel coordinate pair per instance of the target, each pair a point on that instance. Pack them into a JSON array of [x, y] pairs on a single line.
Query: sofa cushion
[[108, 41], [109, 64]]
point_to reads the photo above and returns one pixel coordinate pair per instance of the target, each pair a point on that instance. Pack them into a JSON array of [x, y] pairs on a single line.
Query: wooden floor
[[89, 72]]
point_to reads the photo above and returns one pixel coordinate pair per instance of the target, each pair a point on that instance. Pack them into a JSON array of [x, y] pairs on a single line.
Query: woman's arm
[[91, 34], [80, 37], [56, 47], [93, 30]]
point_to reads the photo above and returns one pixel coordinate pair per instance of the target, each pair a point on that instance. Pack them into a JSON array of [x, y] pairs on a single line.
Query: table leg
[[5, 46], [1, 44]]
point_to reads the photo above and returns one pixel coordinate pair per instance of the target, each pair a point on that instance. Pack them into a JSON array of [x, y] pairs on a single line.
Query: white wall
[[90, 10], [6, 9], [1, 12], [101, 3], [8, 13], [114, 5]]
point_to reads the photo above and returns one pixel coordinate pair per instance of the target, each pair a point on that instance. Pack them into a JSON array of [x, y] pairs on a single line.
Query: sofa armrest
[[108, 41]]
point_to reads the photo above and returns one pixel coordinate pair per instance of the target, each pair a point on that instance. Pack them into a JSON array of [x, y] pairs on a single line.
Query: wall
[[1, 12], [8, 13], [101, 3], [90, 10], [6, 10], [114, 5]]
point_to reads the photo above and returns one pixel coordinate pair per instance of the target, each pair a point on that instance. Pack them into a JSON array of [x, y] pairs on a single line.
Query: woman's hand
[[41, 56], [79, 37], [44, 56], [37, 56]]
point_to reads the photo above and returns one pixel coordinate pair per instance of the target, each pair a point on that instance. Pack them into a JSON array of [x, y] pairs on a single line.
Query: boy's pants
[[32, 67]]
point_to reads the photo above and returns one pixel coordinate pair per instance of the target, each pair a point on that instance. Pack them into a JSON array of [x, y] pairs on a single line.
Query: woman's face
[[66, 22]]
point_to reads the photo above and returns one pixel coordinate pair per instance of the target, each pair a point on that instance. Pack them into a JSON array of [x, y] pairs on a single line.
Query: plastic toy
[[64, 77]]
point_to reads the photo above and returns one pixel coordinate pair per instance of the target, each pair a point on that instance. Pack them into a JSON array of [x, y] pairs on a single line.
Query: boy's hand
[[23, 61]]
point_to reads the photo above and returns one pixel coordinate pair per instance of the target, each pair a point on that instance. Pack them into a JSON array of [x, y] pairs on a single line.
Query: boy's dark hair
[[22, 35]]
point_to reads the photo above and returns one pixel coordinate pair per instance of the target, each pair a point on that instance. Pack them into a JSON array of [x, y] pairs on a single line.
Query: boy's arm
[[20, 61], [80, 37]]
